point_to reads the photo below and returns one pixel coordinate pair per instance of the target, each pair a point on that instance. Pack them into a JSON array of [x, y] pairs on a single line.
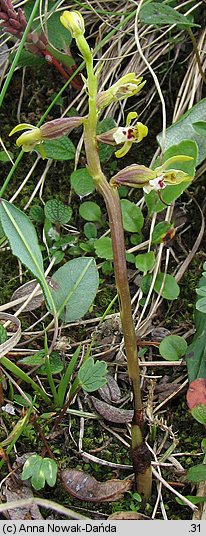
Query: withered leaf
[[24, 291], [110, 392], [17, 492], [196, 393], [109, 413], [86, 488], [129, 516]]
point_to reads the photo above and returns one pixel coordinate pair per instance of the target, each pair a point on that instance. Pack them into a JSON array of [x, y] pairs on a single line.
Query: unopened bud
[[134, 176], [74, 22]]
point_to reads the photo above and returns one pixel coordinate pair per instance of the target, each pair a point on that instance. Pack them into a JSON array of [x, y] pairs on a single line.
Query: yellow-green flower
[[29, 139], [126, 135], [125, 87], [50, 130], [74, 22], [139, 176]]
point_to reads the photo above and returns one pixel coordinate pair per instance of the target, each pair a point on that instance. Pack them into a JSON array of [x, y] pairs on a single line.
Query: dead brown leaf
[[23, 292], [129, 516], [86, 488], [110, 392], [109, 413], [15, 491]]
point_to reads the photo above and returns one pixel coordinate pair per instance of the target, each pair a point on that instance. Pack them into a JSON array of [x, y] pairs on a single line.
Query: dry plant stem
[[140, 455]]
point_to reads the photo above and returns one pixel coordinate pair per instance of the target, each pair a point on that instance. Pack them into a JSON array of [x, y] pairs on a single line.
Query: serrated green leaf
[[74, 288], [90, 211], [197, 473], [92, 375], [103, 248], [132, 216], [57, 212], [82, 182], [61, 149], [145, 261], [170, 290], [173, 347], [157, 15]]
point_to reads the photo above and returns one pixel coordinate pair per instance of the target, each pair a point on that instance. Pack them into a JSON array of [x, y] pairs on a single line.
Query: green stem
[[140, 454]]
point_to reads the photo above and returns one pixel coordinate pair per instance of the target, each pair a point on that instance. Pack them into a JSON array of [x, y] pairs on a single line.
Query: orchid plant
[[136, 176]]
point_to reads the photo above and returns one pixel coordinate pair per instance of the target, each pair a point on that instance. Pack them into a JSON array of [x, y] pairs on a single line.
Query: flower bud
[[134, 176], [74, 22]]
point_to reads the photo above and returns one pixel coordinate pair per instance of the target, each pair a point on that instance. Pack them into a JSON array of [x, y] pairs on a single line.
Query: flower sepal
[[127, 86]]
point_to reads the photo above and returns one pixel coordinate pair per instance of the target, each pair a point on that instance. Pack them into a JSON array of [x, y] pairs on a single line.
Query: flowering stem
[[139, 452]]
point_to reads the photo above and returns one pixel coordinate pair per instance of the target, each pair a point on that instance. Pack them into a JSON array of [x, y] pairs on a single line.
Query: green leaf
[[92, 375], [4, 157], [201, 303], [57, 212], [173, 347], [90, 230], [103, 248], [38, 359], [74, 288], [158, 15], [197, 473], [61, 149], [132, 216], [27, 59], [40, 470], [58, 35], [196, 352], [145, 261], [160, 231], [24, 243], [200, 127], [145, 283], [3, 334], [36, 213], [90, 211], [194, 499], [199, 413], [82, 182], [170, 290], [183, 130]]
